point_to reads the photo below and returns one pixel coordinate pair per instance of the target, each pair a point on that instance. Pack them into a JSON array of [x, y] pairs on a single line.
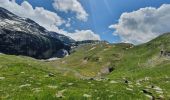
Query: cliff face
[[22, 36]]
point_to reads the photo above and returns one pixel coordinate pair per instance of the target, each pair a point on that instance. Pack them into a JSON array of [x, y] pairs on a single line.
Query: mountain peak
[[23, 36]]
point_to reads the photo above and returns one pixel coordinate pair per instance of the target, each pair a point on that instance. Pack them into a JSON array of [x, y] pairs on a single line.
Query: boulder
[[62, 53]]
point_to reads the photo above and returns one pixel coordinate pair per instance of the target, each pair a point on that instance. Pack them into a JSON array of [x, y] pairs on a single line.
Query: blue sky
[[102, 14]]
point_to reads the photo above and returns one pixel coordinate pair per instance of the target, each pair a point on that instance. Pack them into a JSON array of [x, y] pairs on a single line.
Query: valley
[[139, 73], [37, 64]]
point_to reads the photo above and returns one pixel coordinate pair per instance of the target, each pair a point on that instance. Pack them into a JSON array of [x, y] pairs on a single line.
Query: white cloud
[[47, 19], [43, 17], [71, 5], [80, 35], [68, 22], [144, 24]]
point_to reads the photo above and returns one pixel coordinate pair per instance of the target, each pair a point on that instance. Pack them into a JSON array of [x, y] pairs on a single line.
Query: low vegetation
[[93, 72]]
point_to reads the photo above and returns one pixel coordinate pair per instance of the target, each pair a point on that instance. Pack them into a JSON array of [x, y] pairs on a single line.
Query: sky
[[134, 21]]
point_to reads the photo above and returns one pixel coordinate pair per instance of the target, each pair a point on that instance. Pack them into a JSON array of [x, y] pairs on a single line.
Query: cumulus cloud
[[73, 6], [143, 25], [80, 35], [50, 20], [43, 17]]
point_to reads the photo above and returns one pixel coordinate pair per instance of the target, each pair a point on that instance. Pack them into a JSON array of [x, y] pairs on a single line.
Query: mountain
[[66, 40], [23, 36]]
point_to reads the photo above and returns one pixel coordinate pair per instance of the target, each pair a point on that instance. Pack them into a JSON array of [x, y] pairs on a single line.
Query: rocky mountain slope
[[22, 36]]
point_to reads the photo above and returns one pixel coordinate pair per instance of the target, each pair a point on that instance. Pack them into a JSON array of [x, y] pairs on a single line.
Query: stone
[[86, 95], [70, 84], [2, 78], [51, 75], [113, 82], [36, 90], [146, 91], [59, 94], [129, 89], [62, 53], [22, 72], [52, 86], [25, 85]]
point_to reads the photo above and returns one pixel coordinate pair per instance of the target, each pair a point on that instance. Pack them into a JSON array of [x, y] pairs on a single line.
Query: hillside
[[25, 78], [133, 63], [93, 71]]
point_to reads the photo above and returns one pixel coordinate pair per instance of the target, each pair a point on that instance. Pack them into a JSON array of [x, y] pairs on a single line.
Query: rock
[[98, 79], [59, 94], [113, 82], [51, 59], [157, 88], [86, 95], [52, 86], [62, 53], [25, 85], [22, 72], [129, 89], [51, 75], [149, 96], [36, 90], [146, 92], [138, 84], [147, 78], [23, 36], [107, 70], [2, 78], [70, 84]]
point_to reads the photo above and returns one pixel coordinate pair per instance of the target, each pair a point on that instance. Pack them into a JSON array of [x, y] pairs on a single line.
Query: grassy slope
[[90, 59], [25, 79], [142, 66]]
